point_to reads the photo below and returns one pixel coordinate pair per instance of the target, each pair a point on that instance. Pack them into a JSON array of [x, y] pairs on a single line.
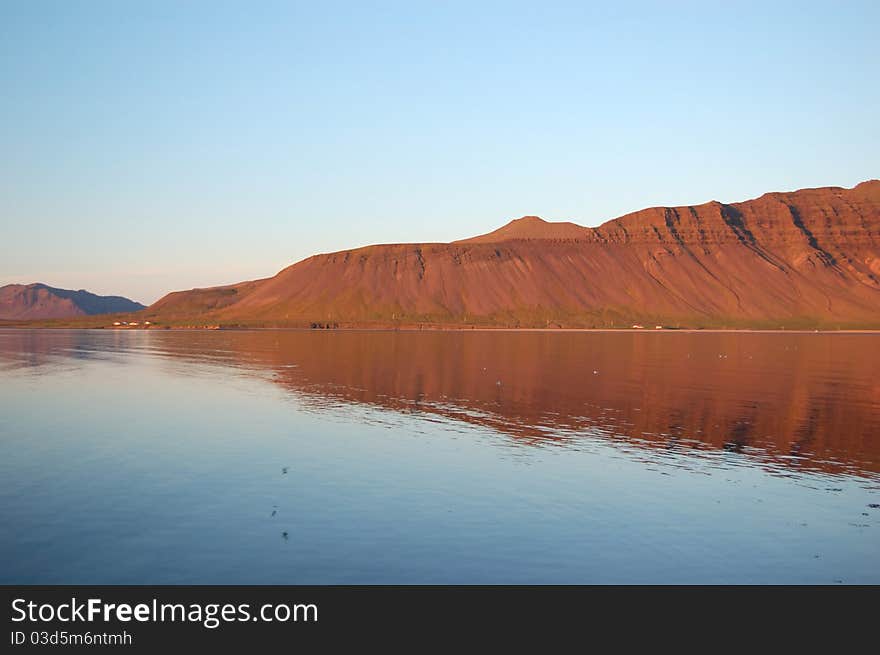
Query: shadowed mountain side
[[801, 259], [39, 301]]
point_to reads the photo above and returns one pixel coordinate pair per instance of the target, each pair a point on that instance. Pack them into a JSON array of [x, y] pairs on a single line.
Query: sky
[[150, 147]]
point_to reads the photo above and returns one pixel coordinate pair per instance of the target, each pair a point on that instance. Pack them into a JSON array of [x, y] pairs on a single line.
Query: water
[[477, 457]]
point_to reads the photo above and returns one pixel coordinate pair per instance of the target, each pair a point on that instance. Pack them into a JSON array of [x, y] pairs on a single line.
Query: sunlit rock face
[[809, 258]]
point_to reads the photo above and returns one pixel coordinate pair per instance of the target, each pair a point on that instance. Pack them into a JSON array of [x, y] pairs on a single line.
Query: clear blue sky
[[149, 146]]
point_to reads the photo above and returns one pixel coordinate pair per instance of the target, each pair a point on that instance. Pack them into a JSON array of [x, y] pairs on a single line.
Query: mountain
[[40, 301], [799, 259]]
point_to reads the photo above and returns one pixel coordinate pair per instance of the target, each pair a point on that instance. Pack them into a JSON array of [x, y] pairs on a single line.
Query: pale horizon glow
[[153, 148]]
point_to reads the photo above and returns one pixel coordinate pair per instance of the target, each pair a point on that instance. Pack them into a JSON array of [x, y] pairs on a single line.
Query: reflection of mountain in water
[[806, 400], [803, 400]]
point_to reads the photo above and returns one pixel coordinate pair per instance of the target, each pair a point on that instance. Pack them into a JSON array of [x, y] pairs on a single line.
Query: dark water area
[[284, 457]]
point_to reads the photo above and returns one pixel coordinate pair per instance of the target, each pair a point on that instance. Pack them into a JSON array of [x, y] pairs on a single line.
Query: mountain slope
[[39, 301], [805, 258]]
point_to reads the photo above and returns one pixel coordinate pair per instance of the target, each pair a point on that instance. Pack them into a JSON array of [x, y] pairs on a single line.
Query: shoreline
[[454, 329]]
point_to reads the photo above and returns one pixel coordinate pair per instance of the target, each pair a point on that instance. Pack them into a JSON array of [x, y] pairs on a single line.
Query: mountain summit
[[532, 227]]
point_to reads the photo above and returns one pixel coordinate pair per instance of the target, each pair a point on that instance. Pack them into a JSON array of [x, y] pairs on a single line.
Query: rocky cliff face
[[801, 259], [39, 301]]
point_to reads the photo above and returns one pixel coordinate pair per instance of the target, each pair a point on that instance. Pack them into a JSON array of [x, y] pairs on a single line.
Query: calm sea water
[[476, 457]]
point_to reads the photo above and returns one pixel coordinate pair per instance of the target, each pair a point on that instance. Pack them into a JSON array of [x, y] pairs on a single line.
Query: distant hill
[[796, 259], [40, 301]]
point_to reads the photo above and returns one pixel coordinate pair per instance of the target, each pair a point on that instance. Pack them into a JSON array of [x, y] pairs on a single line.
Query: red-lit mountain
[[804, 258]]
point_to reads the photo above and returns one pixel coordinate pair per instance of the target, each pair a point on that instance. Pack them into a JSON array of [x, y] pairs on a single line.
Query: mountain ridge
[[556, 277], [808, 258], [37, 301]]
